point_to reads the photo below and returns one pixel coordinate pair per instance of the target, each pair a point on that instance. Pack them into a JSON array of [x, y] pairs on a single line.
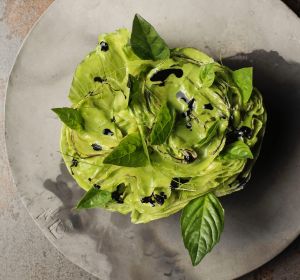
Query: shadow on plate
[[116, 238], [279, 83]]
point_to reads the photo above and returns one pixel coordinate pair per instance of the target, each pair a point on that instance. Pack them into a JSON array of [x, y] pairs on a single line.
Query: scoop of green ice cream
[[157, 134]]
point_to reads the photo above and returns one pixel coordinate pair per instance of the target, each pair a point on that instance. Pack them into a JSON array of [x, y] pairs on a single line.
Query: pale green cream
[[101, 102]]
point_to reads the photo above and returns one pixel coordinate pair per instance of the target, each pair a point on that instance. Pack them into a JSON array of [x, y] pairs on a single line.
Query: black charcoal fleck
[[96, 186], [107, 131], [96, 147], [74, 162], [208, 106], [99, 80], [104, 46]]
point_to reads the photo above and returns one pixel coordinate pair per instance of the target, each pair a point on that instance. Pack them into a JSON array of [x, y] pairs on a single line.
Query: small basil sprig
[[212, 131], [237, 150], [70, 117], [163, 125], [202, 222], [207, 74], [145, 41], [244, 79], [134, 86], [130, 152], [94, 198]]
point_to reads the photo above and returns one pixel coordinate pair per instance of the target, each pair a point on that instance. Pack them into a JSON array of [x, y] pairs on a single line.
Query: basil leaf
[[207, 74], [237, 150], [70, 117], [244, 80], [202, 222], [210, 134], [130, 152], [163, 126], [94, 198], [145, 41], [135, 84]]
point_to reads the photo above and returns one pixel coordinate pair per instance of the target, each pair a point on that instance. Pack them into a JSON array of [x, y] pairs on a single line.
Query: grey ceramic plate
[[260, 221]]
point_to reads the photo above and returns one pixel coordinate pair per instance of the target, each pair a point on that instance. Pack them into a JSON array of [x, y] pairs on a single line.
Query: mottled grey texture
[[25, 253], [24, 242]]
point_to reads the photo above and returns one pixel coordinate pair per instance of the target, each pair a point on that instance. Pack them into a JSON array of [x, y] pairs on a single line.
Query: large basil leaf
[[202, 222], [94, 198], [163, 125], [244, 79], [237, 150], [70, 117], [145, 41], [130, 152], [207, 74]]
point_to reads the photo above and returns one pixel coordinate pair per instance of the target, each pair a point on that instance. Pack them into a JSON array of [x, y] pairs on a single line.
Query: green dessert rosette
[[151, 129]]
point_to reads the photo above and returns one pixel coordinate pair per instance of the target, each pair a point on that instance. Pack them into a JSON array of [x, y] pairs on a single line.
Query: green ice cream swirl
[[209, 118]]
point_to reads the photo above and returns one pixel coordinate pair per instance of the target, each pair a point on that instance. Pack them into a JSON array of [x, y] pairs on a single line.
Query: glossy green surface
[[110, 104]]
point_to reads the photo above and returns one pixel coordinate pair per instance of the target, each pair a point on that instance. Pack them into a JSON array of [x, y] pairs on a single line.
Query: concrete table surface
[[25, 252]]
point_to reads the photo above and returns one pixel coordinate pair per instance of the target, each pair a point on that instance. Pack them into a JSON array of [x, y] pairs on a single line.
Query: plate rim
[[12, 173]]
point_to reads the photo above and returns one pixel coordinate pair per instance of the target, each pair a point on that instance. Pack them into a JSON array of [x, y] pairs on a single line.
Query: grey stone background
[[24, 252]]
